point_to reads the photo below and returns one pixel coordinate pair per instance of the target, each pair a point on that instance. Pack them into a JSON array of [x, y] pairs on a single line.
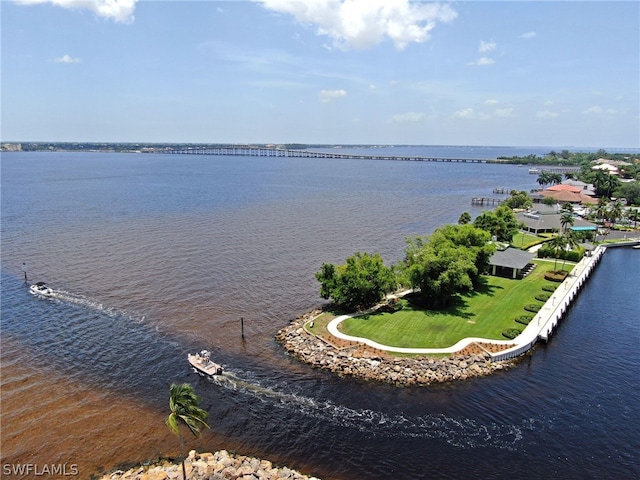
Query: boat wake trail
[[458, 432], [71, 298]]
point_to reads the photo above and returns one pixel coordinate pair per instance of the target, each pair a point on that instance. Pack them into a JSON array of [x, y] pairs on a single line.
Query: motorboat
[[534, 170], [41, 288], [201, 363]]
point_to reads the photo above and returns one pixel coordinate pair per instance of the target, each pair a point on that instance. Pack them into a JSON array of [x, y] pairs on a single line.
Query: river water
[[154, 256]]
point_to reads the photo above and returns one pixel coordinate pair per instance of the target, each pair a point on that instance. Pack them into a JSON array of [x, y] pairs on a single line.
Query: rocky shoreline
[[220, 465], [356, 360]]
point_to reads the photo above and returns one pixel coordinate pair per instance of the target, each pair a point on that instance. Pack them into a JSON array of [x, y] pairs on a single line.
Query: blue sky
[[322, 71]]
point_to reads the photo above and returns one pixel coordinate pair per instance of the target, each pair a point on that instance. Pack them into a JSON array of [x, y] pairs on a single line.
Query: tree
[[465, 217], [571, 241], [359, 284], [447, 263], [566, 219], [501, 223], [183, 403], [630, 191], [555, 178], [556, 243], [615, 211], [633, 214], [543, 178], [602, 209], [518, 200]]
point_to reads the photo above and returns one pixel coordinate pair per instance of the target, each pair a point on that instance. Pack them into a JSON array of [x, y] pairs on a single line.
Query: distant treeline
[[567, 158]]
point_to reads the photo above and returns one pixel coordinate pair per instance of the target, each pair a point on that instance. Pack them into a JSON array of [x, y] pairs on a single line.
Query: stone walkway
[[540, 327]]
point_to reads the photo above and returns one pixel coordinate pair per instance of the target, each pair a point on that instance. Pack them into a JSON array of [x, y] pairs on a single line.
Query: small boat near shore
[[41, 288], [201, 363]]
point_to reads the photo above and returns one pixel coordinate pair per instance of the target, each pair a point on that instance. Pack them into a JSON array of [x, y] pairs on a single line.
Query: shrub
[[511, 333], [524, 319], [543, 297], [558, 276], [549, 288], [533, 307]]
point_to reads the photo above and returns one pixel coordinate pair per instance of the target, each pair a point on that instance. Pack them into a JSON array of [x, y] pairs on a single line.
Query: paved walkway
[[541, 326]]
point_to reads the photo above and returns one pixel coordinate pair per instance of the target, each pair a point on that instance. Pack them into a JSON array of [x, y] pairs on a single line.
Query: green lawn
[[486, 313], [525, 240]]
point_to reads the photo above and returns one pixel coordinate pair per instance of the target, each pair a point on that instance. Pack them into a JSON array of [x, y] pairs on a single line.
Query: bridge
[[252, 151]]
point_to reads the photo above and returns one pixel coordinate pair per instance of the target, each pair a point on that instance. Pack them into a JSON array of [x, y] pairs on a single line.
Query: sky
[[513, 73]]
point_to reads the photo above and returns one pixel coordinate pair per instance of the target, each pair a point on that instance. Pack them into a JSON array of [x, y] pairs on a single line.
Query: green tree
[[557, 243], [447, 263], [615, 211], [465, 217], [359, 284], [601, 210], [555, 178], [501, 223], [518, 200], [566, 220], [543, 179], [629, 191], [633, 214], [183, 403]]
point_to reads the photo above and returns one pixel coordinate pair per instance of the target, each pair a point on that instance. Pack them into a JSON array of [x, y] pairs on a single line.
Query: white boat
[[42, 289], [534, 170], [201, 363]]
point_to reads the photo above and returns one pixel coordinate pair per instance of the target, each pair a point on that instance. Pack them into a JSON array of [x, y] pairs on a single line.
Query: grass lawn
[[485, 313], [525, 240]]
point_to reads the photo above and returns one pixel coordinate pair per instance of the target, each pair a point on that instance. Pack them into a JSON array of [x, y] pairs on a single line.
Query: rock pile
[[220, 465], [354, 361]]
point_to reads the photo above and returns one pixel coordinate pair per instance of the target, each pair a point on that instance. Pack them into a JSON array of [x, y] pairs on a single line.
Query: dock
[[486, 201]]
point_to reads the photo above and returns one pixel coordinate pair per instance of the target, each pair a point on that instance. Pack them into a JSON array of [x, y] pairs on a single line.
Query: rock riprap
[[220, 465], [356, 361]]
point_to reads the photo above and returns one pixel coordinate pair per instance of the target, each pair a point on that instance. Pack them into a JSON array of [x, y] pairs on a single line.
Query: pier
[[252, 151], [486, 201]]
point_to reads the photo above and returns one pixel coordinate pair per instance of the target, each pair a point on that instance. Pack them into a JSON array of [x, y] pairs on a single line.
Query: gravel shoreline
[[220, 465], [357, 360]]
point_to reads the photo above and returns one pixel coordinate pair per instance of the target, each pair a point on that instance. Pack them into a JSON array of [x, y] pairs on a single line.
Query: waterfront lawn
[[485, 313]]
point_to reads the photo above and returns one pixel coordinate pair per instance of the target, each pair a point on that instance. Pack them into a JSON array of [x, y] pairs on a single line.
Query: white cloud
[[328, 95], [465, 113], [482, 61], [67, 59], [409, 117], [491, 101], [364, 23], [594, 110], [117, 10], [528, 35], [487, 46], [503, 112], [546, 114]]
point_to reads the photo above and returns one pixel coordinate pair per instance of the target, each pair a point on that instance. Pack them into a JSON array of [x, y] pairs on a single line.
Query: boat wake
[[458, 432], [63, 296]]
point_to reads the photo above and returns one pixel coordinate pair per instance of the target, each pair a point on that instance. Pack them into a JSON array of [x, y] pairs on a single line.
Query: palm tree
[[566, 218], [602, 208], [183, 403], [557, 243], [571, 242], [555, 178], [615, 212], [543, 178], [633, 214]]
